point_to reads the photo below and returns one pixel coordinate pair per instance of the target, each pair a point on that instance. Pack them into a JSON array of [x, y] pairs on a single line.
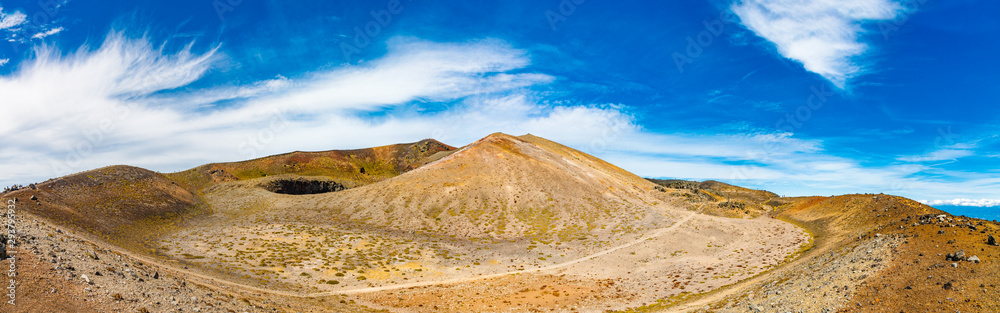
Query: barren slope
[[110, 202], [505, 187], [874, 253]]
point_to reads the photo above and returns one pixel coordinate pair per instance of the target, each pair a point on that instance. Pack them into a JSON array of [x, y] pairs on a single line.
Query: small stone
[[991, 241], [974, 259], [34, 198], [947, 286], [941, 232], [954, 264], [86, 279]]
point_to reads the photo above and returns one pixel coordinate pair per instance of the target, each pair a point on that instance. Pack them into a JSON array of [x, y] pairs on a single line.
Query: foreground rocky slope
[[874, 253], [122, 204]]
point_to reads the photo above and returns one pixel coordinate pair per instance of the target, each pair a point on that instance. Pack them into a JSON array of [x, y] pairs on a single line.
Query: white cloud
[[4, 62], [823, 35], [964, 202], [945, 153], [107, 106], [120, 104], [47, 33], [11, 20], [938, 155]]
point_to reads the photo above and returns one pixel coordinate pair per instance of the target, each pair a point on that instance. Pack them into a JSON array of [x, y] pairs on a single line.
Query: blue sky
[[819, 98]]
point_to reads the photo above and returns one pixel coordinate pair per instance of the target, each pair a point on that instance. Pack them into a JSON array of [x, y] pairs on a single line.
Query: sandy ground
[[694, 254]]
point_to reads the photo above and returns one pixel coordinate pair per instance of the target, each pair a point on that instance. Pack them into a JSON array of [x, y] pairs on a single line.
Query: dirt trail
[[205, 279], [657, 233], [821, 246]]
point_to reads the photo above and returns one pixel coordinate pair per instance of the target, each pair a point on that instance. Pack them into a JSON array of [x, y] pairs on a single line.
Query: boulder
[[991, 241]]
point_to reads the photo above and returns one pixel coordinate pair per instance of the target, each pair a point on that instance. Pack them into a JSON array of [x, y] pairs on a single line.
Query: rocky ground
[[874, 254], [59, 272], [824, 284]]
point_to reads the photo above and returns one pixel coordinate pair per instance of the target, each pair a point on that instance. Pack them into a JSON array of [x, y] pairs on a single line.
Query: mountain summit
[[508, 187]]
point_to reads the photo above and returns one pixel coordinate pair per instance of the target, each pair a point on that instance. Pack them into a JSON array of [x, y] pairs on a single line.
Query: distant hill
[[731, 201], [351, 168]]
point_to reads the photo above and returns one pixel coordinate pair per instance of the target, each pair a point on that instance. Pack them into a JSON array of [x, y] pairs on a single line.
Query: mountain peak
[[500, 186]]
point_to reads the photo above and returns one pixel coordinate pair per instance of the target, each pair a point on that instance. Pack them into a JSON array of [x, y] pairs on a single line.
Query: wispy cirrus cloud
[[122, 103], [823, 35], [47, 33], [938, 155]]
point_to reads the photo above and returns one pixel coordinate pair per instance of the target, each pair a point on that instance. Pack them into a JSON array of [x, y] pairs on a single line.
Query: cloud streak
[[964, 202], [822, 35], [47, 33]]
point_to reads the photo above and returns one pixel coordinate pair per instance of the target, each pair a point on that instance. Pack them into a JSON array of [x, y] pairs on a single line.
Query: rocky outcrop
[[302, 186]]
